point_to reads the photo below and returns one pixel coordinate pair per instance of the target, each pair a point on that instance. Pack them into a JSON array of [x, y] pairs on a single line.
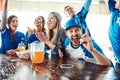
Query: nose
[[74, 33], [15, 22]]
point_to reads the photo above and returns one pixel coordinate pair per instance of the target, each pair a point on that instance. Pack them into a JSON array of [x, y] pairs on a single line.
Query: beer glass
[[37, 51]]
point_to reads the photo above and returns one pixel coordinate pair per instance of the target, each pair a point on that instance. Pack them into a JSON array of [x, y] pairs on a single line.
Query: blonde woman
[[55, 39]]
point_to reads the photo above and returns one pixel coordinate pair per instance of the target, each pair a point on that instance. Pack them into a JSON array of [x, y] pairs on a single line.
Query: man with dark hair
[[80, 46], [81, 17]]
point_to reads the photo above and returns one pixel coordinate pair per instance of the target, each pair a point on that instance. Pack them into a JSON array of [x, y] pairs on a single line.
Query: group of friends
[[73, 40]]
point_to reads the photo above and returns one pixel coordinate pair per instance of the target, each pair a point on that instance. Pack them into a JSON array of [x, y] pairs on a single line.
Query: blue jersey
[[32, 38], [80, 53], [7, 44], [81, 16], [114, 29]]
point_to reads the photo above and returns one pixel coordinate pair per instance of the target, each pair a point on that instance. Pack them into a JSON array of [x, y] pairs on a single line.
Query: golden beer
[[37, 57]]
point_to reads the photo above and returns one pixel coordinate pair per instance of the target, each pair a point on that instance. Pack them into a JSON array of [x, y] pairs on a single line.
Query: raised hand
[[86, 40], [30, 31], [4, 15]]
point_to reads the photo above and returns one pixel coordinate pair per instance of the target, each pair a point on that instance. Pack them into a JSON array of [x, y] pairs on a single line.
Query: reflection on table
[[50, 70]]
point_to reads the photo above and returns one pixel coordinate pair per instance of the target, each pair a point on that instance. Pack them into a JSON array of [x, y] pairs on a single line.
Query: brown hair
[[43, 20], [10, 18], [66, 7]]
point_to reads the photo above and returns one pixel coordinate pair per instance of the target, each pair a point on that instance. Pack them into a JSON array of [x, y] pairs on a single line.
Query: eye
[[70, 31]]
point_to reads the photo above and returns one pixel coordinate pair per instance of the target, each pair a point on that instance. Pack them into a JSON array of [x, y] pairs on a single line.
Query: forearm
[[4, 16], [101, 59], [3, 21], [87, 4]]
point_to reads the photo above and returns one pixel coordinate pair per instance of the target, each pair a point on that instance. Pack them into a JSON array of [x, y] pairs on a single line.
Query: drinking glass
[[21, 46], [37, 51]]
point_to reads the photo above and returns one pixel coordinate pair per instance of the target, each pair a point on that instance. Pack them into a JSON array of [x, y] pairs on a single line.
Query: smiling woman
[[9, 35]]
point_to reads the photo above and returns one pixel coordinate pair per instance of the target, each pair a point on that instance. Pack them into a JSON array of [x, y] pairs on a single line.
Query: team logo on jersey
[[118, 21]]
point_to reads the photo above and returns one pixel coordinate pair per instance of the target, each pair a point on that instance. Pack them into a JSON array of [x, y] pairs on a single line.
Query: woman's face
[[52, 22], [38, 21], [117, 5], [13, 24]]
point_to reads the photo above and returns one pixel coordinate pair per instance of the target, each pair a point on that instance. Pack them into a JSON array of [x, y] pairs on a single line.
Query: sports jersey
[[80, 53], [7, 42], [81, 16], [114, 29]]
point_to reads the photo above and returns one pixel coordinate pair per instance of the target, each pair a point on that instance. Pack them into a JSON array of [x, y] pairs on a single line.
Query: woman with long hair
[[55, 38], [9, 35], [40, 27]]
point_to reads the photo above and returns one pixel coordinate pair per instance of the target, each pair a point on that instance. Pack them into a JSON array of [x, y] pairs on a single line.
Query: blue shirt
[[32, 38], [114, 28], [7, 44], [81, 16]]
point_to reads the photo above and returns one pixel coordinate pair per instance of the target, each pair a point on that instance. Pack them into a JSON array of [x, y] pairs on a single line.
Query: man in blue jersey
[[80, 46], [114, 29], [81, 16]]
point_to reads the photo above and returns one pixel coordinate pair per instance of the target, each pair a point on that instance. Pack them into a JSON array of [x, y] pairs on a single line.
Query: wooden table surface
[[50, 70]]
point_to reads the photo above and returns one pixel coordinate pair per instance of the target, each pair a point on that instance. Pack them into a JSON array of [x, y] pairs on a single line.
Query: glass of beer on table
[[37, 51]]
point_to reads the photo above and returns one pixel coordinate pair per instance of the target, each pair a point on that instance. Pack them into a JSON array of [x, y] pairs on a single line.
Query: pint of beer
[[37, 51]]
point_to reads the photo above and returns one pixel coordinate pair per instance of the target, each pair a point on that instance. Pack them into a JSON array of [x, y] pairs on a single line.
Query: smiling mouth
[[14, 26]]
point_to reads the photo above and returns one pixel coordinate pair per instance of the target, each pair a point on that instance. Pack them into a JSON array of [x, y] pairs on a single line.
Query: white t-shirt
[[77, 53]]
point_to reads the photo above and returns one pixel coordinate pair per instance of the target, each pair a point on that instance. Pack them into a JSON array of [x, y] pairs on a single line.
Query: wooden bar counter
[[50, 70]]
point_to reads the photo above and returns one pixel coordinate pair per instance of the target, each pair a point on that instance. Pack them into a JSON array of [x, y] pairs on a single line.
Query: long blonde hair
[[58, 28]]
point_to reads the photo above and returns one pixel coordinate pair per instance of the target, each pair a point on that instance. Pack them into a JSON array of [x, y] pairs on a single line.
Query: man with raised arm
[[114, 28], [81, 16]]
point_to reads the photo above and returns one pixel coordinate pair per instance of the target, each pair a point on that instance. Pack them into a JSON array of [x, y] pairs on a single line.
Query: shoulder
[[20, 33], [62, 31]]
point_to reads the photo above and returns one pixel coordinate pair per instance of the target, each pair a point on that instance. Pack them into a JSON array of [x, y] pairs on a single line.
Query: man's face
[[69, 11], [117, 5], [74, 34]]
